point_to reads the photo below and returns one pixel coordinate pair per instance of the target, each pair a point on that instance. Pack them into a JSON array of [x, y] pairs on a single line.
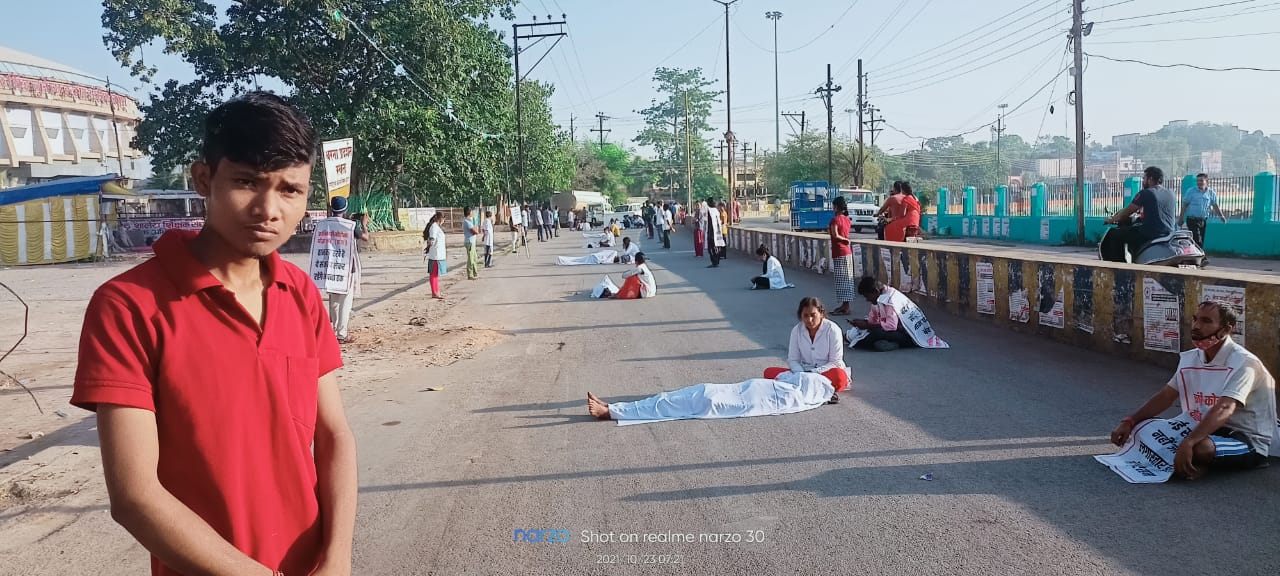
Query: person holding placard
[[1224, 391]]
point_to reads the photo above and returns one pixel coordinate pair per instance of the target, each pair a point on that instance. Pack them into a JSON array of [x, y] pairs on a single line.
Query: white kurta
[[788, 394], [824, 352], [715, 236], [773, 271], [648, 288], [601, 257]]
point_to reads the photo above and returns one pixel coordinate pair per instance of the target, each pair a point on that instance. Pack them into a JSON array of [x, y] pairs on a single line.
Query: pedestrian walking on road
[[841, 256], [435, 252], [571, 218], [664, 225], [486, 235], [714, 238], [699, 224], [524, 225], [469, 232], [238, 380], [555, 222], [537, 223], [1196, 204], [548, 221], [724, 231]]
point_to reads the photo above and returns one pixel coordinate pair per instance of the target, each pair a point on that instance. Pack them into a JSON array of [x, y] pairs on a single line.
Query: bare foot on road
[[597, 407]]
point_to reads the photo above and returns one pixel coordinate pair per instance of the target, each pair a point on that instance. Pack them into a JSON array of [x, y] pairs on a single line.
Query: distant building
[[1127, 141], [1176, 124], [58, 122]]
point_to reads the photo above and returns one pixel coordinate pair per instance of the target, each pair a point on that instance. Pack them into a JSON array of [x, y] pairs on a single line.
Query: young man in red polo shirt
[[211, 367]]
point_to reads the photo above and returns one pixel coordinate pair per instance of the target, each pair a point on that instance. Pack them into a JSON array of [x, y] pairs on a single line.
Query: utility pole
[[777, 101], [600, 117], [572, 133], [746, 147], [688, 155], [755, 167], [1078, 32], [115, 127], [723, 171], [826, 91], [728, 92], [534, 30], [999, 134], [872, 123], [800, 114], [862, 106]]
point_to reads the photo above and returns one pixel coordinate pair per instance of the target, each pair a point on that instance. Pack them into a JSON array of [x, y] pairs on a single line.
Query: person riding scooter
[[1159, 208]]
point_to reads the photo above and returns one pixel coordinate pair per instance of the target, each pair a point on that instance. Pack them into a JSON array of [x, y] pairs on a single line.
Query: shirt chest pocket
[[301, 389]]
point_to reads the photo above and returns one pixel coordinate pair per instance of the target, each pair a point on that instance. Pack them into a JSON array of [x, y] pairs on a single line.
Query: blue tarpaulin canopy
[[62, 187]]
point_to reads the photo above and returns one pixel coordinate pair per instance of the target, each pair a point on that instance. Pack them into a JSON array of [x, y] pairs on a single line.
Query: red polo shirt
[[235, 403]]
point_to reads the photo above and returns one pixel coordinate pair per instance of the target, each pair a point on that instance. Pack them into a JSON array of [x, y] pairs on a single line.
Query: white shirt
[[436, 235], [773, 271], [487, 230], [824, 352], [629, 253], [1234, 373], [648, 289]]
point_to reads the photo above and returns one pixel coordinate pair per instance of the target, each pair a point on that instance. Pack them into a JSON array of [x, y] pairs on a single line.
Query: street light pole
[[777, 104], [728, 98]]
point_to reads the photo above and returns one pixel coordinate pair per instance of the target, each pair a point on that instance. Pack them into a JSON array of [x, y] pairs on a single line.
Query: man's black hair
[[1155, 174], [1202, 175], [466, 211], [258, 129], [639, 258], [869, 285], [1226, 313]]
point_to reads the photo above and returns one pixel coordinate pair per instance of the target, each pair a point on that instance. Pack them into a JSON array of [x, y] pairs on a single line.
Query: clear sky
[[935, 67]]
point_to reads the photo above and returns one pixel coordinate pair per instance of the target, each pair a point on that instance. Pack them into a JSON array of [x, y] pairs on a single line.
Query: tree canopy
[[433, 117]]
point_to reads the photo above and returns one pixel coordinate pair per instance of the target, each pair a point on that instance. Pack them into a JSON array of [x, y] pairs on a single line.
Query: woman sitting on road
[[771, 277], [817, 346]]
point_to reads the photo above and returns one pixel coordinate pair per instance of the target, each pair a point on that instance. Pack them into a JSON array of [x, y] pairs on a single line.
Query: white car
[[863, 205]]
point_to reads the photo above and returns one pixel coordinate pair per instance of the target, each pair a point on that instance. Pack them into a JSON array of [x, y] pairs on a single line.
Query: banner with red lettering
[[338, 155]]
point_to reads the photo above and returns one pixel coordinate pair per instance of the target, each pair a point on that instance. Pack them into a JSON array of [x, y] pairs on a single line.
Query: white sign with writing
[[1147, 458], [986, 288], [333, 258], [1161, 318]]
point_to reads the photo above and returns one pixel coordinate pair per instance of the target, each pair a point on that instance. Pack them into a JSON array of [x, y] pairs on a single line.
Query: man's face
[[871, 297], [1202, 182], [1207, 323], [253, 212]]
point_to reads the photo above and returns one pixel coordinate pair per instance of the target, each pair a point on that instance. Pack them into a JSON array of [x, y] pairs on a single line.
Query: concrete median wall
[[1136, 312]]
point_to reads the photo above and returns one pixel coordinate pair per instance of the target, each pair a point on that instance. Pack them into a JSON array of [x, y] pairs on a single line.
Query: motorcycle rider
[[1159, 208]]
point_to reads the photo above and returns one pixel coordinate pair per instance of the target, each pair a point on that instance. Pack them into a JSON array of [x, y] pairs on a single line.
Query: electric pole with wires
[[533, 31], [1078, 31], [825, 92], [600, 117]]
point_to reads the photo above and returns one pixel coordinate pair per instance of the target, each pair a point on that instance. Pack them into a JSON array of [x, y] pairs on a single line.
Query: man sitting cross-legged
[[1225, 390]]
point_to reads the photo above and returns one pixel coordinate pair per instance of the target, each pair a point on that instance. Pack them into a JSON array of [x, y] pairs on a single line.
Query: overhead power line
[[1237, 2], [1188, 39], [1182, 65], [979, 30], [649, 70]]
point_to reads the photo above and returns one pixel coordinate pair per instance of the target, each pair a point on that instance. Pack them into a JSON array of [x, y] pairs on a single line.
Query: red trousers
[[838, 376], [630, 289], [698, 242]]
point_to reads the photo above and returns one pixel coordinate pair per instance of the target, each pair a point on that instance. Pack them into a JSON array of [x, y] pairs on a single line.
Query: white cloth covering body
[[790, 393], [601, 257]]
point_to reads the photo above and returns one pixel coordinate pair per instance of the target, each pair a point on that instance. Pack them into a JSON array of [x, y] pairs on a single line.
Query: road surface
[[1006, 425]]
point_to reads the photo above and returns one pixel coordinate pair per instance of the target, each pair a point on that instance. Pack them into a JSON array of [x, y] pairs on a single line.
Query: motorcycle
[[1177, 249]]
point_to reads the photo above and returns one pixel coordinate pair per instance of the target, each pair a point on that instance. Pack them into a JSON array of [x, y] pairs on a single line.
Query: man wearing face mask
[[1225, 390]]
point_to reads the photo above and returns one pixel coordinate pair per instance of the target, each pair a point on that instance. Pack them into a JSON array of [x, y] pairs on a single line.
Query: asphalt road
[[1006, 425]]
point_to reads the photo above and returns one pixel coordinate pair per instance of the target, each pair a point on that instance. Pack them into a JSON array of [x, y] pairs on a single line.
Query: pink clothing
[[884, 315]]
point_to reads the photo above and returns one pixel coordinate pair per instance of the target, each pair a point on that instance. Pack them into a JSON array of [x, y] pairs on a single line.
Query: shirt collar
[[188, 274], [1228, 346]]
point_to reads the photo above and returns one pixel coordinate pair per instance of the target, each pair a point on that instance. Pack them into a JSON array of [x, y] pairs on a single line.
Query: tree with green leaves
[[432, 118], [665, 132]]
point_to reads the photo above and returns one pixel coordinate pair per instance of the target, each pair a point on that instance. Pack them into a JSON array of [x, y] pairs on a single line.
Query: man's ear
[[202, 177]]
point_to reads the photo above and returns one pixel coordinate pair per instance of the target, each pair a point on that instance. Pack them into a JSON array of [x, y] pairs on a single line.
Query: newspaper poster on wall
[[857, 261], [996, 230], [986, 288], [1006, 227], [1147, 457], [886, 261], [1044, 228], [964, 226], [986, 226], [333, 256], [1019, 307], [1232, 296], [904, 272], [337, 166], [1050, 304], [1161, 318]]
